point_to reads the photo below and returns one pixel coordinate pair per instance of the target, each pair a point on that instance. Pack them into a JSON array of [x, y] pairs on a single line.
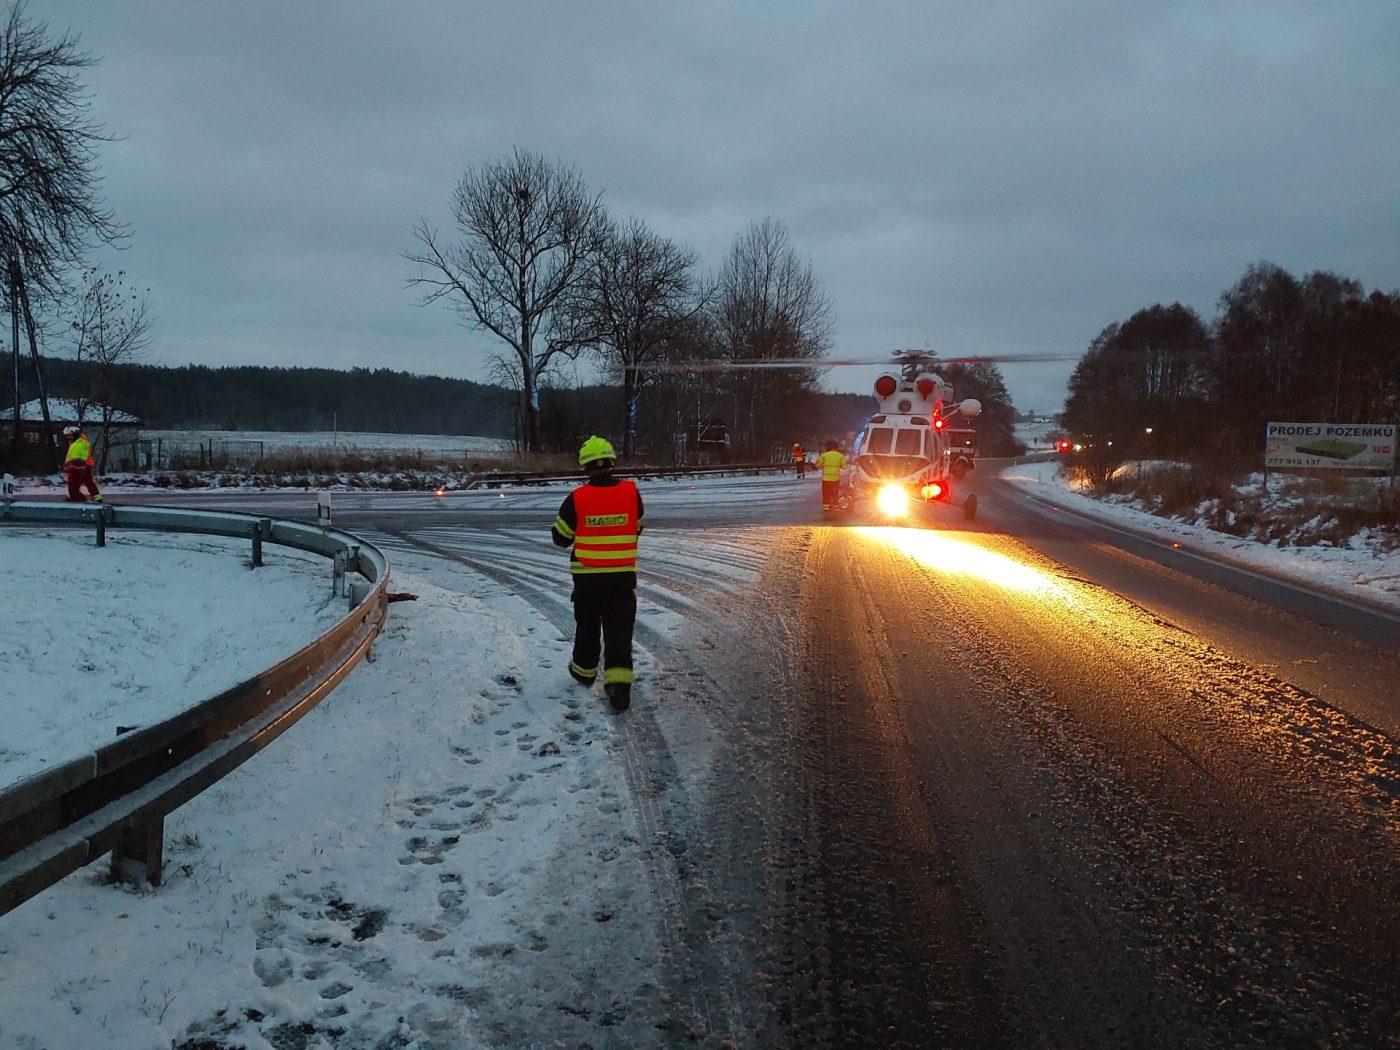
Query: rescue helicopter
[[903, 455]]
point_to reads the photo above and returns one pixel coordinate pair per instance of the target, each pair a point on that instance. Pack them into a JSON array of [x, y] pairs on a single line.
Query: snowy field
[[454, 850], [276, 441]]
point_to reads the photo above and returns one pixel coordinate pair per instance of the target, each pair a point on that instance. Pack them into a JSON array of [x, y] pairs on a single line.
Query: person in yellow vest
[[799, 459], [832, 462], [601, 520], [77, 466]]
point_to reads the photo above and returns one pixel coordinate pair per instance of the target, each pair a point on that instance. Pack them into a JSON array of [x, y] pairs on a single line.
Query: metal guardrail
[[115, 799], [541, 477]]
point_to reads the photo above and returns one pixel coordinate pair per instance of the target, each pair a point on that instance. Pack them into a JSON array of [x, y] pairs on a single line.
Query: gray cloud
[[996, 178]]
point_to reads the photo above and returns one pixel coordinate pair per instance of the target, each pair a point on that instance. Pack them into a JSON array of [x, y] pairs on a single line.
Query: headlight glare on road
[[893, 501]]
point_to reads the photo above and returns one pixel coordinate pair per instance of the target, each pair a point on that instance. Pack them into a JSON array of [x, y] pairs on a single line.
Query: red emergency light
[[933, 490], [925, 387], [1063, 446], [885, 386], [939, 424]]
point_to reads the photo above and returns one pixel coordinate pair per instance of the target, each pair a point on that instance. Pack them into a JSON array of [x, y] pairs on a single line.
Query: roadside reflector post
[[139, 854], [338, 573], [101, 528], [257, 544], [323, 507], [7, 486]]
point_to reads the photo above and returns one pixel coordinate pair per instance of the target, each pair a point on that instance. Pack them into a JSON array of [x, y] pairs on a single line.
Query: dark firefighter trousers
[[605, 604]]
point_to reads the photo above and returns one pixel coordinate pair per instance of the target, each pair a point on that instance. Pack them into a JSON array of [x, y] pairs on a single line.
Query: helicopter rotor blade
[[724, 364], [907, 358]]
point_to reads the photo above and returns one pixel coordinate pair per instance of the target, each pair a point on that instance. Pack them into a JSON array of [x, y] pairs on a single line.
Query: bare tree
[[639, 292], [769, 305], [49, 204], [529, 229], [111, 325]]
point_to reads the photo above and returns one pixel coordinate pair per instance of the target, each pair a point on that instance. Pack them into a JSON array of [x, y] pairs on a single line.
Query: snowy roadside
[[442, 854], [95, 639], [1360, 571]]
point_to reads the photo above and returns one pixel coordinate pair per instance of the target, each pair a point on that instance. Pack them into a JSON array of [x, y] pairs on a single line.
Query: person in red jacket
[[601, 520]]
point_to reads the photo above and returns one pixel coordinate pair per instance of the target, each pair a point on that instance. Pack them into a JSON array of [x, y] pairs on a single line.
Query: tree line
[[251, 397], [255, 397], [1319, 348]]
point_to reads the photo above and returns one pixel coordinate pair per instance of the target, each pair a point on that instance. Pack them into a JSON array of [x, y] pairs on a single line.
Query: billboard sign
[[1353, 446]]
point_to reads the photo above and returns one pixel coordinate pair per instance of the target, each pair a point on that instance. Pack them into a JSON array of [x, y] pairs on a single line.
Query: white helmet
[[71, 430]]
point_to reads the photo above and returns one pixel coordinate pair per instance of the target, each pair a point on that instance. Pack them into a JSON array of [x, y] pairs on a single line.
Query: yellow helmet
[[594, 449]]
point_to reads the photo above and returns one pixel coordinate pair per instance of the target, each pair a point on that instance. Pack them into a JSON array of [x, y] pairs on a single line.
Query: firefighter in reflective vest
[[601, 520], [799, 459], [832, 462], [77, 466]]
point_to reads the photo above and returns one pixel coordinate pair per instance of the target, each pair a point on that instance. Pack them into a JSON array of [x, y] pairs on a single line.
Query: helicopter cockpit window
[[909, 443], [877, 441]]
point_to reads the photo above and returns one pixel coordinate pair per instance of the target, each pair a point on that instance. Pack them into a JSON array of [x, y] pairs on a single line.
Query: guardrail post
[[359, 591], [139, 853], [338, 573]]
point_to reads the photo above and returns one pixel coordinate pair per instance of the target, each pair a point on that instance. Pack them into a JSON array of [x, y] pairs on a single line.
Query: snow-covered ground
[[452, 849], [449, 851], [95, 638]]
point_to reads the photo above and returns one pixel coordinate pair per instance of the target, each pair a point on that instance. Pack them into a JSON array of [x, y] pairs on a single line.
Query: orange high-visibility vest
[[606, 537]]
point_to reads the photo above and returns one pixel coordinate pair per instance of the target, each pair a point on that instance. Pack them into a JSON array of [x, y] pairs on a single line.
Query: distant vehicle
[[962, 451]]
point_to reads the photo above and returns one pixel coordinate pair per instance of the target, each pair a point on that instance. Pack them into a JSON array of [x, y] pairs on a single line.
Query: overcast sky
[[988, 178]]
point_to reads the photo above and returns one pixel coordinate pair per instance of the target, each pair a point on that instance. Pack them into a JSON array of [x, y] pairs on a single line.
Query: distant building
[[122, 436]]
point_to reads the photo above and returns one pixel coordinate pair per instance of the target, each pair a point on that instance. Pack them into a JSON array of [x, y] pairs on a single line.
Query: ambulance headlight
[[893, 501]]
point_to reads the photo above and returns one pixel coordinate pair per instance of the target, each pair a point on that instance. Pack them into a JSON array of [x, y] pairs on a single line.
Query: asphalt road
[[1021, 782]]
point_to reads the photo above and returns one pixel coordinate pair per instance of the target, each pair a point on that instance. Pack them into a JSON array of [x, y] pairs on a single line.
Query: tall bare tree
[[638, 295], [111, 325], [50, 208], [769, 304], [529, 228]]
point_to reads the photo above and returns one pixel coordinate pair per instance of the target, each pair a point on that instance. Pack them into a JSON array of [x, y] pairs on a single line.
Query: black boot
[[619, 695]]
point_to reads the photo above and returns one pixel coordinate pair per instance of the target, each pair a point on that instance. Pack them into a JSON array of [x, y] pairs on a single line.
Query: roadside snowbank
[[1362, 571]]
